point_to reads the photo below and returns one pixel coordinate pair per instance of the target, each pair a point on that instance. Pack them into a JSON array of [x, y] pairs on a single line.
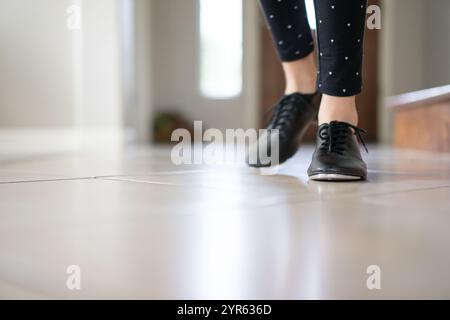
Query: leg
[[340, 38], [301, 75], [339, 109], [340, 27], [297, 109], [292, 36]]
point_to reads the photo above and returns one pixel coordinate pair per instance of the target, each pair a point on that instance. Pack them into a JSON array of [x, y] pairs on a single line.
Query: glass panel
[[311, 13], [221, 48]]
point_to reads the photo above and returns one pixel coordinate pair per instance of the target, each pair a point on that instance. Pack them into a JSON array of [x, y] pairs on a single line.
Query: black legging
[[340, 32]]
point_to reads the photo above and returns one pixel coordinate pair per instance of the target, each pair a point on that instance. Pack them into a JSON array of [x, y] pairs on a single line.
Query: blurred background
[[78, 74]]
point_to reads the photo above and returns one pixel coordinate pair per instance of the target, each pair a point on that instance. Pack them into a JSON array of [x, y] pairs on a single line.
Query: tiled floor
[[140, 227]]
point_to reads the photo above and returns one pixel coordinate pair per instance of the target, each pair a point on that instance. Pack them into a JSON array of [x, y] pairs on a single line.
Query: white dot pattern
[[340, 38], [289, 26]]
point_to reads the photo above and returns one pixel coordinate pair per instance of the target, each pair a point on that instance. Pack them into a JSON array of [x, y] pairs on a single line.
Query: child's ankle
[[338, 109]]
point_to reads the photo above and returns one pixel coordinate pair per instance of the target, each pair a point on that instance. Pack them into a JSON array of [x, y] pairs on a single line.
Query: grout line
[[162, 173], [104, 177], [406, 191], [362, 196], [406, 173], [338, 197], [142, 181], [46, 180]]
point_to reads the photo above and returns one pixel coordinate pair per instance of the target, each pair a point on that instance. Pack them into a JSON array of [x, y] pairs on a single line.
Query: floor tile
[[140, 227]]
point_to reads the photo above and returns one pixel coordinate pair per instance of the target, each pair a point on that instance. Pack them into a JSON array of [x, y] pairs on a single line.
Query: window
[[311, 13], [221, 48]]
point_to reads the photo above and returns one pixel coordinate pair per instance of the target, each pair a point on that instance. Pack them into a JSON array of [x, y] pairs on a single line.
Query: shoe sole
[[335, 177]]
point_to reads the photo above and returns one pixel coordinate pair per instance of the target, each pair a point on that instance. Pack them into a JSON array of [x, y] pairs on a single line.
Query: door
[[206, 61]]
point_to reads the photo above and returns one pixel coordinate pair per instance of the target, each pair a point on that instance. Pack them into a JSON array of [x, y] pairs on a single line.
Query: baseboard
[[33, 141]]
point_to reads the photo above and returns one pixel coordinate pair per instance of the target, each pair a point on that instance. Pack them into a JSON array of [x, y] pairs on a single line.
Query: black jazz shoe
[[337, 156], [292, 116]]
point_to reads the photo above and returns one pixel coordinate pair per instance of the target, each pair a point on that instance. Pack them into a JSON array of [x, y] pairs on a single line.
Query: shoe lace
[[284, 113], [335, 137]]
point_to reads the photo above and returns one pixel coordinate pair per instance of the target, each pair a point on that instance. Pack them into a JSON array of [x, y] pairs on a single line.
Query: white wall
[[36, 80], [415, 46], [401, 55], [144, 10], [60, 88], [100, 65], [437, 43]]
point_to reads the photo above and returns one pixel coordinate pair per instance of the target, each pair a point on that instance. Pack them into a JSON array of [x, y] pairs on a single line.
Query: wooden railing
[[422, 119]]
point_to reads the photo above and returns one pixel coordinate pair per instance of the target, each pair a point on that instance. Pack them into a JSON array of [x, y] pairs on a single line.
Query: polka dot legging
[[340, 32]]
